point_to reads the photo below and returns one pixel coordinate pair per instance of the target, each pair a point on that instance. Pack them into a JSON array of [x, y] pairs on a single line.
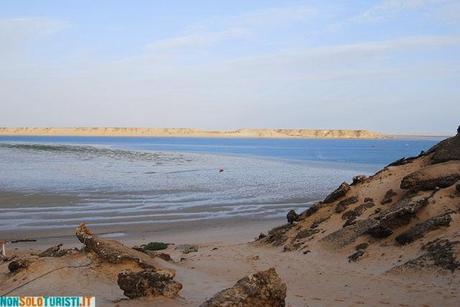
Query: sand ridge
[[191, 132]]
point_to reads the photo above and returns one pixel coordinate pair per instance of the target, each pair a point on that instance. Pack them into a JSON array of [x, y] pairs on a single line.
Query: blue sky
[[385, 65]]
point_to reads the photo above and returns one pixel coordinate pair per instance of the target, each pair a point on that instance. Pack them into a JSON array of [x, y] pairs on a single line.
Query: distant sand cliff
[[190, 132]]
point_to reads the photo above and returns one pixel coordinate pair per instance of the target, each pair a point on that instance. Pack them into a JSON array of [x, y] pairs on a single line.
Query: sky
[[391, 66]]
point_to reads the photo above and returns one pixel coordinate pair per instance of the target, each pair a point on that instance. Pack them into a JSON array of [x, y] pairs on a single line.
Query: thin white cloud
[[198, 39], [277, 16], [387, 8], [242, 26]]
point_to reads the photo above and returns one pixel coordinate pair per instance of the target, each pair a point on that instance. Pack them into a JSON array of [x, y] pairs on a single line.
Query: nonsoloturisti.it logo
[[47, 301]]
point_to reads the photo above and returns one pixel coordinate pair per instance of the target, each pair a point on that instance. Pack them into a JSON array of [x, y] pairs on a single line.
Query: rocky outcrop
[[419, 230], [277, 236], [262, 289], [341, 191], [343, 204], [148, 283], [349, 234], [358, 179], [434, 176], [388, 198], [351, 215], [396, 216], [426, 206], [439, 253], [446, 150]]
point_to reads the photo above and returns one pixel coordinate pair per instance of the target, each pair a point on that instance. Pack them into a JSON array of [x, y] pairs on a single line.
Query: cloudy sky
[[384, 65]]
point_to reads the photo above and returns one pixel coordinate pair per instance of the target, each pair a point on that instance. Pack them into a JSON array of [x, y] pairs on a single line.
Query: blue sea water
[[57, 182]]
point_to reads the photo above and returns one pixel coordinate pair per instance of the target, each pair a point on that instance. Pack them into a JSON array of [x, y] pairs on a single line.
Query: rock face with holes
[[148, 283], [419, 230], [262, 289], [440, 175]]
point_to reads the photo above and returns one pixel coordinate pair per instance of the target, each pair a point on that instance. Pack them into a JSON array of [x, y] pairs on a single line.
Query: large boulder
[[262, 289], [148, 283], [439, 175]]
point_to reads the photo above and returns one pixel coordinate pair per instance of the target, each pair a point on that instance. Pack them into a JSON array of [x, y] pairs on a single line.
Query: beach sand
[[224, 256]]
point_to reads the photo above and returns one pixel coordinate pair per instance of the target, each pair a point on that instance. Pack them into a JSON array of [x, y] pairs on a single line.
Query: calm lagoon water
[[57, 182]]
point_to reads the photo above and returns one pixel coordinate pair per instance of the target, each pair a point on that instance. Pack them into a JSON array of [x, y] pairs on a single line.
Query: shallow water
[[58, 182]]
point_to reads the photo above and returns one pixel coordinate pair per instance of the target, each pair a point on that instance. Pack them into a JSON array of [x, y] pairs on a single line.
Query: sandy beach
[[224, 255]]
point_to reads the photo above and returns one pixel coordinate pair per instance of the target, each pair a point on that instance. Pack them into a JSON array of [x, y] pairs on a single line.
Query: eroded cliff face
[[410, 209], [268, 133]]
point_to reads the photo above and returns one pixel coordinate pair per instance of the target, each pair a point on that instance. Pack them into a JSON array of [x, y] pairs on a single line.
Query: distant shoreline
[[191, 132]]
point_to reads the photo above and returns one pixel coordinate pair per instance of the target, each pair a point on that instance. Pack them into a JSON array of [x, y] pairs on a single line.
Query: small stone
[[17, 265], [355, 256], [362, 246]]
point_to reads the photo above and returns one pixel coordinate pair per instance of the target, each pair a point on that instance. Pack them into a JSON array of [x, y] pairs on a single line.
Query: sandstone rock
[[356, 255], [261, 236], [419, 230], [310, 211], [399, 214], [292, 217], [17, 265], [187, 248], [338, 193], [439, 253], [306, 233], [343, 204], [55, 251], [277, 235], [362, 246], [440, 175], [380, 232], [148, 283], [262, 289], [446, 150], [347, 235], [402, 161], [388, 197], [359, 179], [113, 251], [351, 215]]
